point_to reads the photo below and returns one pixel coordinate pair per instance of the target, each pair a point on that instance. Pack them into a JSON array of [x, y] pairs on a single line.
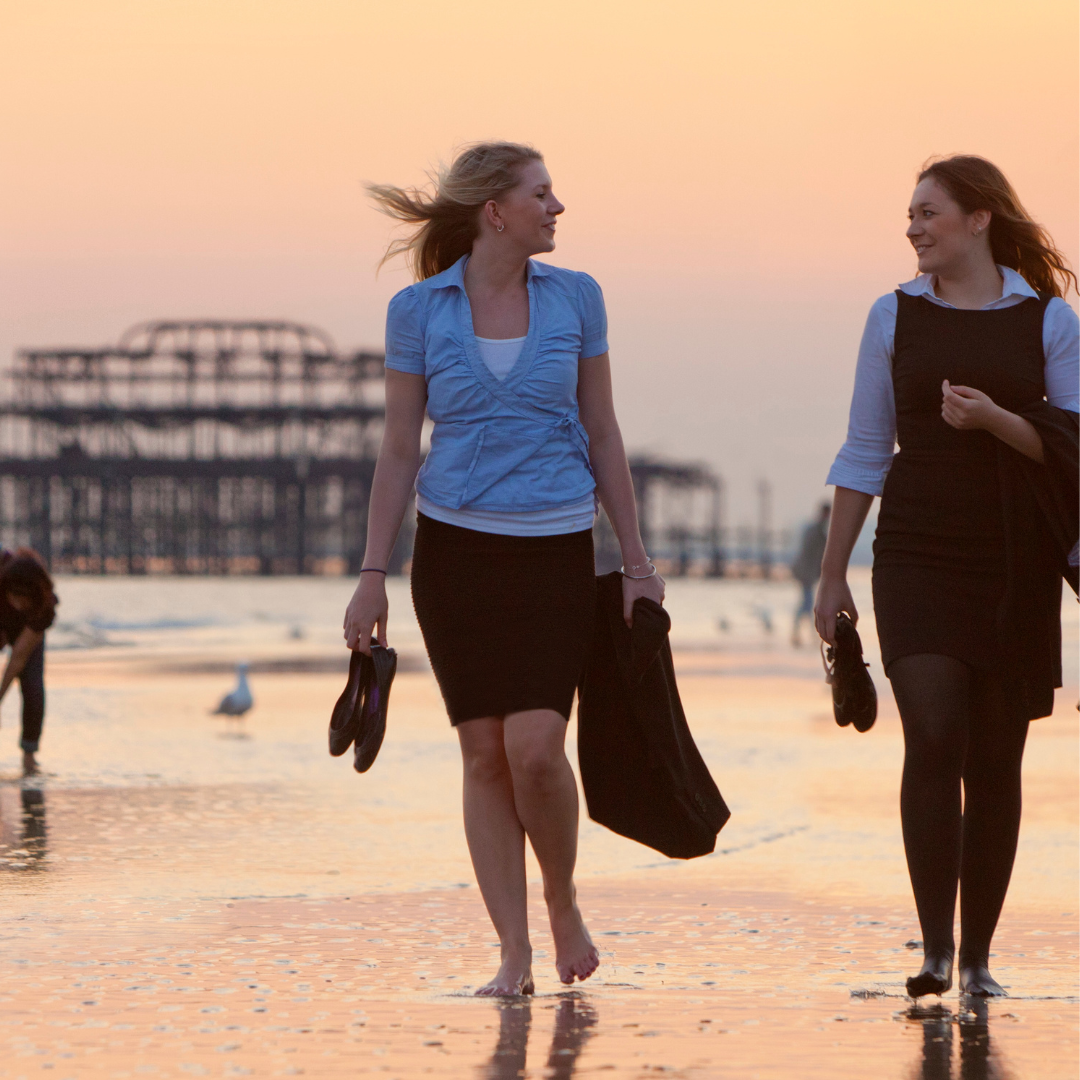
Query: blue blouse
[[511, 445]]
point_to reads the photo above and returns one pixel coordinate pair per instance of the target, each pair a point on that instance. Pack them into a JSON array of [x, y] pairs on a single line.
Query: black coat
[[642, 774], [1040, 507], [1056, 483]]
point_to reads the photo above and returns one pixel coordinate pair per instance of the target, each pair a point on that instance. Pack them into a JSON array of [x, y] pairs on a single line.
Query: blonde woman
[[509, 358]]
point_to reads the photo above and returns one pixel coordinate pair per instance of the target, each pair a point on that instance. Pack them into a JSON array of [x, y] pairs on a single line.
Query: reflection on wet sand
[[573, 1019], [508, 1059], [978, 1059], [23, 844], [226, 907]]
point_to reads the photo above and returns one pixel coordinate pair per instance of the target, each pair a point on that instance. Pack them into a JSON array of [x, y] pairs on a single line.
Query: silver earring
[[500, 228]]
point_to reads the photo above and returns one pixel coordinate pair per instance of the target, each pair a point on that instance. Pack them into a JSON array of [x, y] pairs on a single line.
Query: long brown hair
[[448, 218], [23, 574], [1016, 240]]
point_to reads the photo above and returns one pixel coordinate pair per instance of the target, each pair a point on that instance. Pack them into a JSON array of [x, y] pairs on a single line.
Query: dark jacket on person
[[641, 772], [806, 569], [1041, 509]]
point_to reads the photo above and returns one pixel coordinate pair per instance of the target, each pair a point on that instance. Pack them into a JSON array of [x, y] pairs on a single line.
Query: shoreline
[[194, 895]]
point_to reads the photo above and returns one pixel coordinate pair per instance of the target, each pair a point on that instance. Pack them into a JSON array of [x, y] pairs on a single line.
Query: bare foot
[[575, 954], [975, 979], [514, 978], [29, 763], [934, 978]]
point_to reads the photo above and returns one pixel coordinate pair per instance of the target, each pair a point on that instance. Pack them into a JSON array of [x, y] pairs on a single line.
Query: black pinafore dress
[[940, 568]]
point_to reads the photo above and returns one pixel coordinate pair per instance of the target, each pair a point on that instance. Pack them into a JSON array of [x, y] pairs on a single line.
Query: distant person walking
[[806, 569], [972, 368], [510, 359], [27, 610]]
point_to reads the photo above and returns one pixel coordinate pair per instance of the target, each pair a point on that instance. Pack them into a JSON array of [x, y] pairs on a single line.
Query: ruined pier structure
[[192, 447], [214, 447]]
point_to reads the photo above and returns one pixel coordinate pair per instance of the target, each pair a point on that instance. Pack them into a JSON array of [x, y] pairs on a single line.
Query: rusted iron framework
[[192, 447], [680, 507], [212, 447]]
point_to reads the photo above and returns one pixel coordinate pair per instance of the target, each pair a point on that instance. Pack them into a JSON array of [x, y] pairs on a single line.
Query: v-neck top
[[515, 444]]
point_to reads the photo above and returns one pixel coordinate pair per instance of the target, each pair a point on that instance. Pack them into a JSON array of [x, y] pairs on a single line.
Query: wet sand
[[185, 895]]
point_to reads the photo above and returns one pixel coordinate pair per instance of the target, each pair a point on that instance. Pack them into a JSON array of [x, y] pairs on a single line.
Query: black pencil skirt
[[507, 620]]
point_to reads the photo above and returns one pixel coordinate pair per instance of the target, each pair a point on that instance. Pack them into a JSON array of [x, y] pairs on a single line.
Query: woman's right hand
[[833, 596], [366, 613]]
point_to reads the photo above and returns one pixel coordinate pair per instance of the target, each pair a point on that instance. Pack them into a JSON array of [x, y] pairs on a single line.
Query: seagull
[[765, 615], [240, 700]]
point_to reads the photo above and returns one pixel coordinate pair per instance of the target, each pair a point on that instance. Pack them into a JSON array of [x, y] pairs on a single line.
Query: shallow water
[[189, 895]]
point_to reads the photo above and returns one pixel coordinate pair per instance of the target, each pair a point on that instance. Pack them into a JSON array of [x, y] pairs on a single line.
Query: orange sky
[[735, 175]]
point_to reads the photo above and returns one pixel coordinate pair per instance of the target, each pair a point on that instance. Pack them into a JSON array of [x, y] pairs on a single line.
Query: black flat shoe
[[373, 714], [345, 719], [853, 693]]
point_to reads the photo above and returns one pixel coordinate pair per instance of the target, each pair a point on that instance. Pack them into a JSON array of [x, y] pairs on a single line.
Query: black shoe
[[376, 700], [345, 719], [853, 694]]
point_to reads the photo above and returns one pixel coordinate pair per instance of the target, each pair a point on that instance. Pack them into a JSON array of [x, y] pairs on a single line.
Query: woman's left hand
[[966, 409], [650, 587]]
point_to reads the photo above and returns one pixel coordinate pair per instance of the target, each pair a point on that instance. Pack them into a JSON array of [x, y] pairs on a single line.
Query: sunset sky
[[736, 175]]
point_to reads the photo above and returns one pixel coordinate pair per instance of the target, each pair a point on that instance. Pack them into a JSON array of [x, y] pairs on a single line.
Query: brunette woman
[[27, 610], [972, 368], [509, 357]]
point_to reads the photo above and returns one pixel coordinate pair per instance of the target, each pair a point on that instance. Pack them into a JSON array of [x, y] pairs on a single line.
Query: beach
[[187, 894]]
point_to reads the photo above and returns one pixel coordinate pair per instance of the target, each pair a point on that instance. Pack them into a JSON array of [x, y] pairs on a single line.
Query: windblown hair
[[23, 574], [448, 220], [1015, 239]]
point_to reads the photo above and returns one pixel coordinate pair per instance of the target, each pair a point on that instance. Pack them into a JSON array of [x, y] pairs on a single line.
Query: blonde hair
[[449, 219]]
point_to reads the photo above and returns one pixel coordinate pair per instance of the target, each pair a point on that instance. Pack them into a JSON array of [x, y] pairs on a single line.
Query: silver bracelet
[[638, 577]]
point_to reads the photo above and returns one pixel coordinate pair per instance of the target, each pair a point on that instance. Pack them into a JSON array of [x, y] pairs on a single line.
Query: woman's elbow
[[28, 640], [604, 436], [399, 460], [400, 444]]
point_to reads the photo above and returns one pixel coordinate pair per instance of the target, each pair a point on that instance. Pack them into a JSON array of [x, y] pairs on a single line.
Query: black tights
[[956, 728]]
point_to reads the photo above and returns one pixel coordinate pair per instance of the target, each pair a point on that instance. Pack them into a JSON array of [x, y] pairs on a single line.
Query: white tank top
[[499, 356]]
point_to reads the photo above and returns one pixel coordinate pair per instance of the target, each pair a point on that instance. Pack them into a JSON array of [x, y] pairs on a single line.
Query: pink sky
[[736, 176]]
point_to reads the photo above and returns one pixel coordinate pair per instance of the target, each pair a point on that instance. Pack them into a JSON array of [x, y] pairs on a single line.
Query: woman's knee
[[537, 766], [992, 778], [935, 755], [534, 746], [994, 761], [932, 693], [483, 755], [486, 768]]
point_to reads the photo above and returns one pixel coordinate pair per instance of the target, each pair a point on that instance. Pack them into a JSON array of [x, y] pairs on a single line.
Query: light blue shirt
[[502, 445], [866, 456]]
